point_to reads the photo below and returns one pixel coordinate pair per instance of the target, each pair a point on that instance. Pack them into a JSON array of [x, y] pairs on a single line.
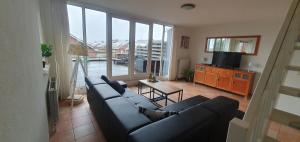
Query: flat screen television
[[227, 59]]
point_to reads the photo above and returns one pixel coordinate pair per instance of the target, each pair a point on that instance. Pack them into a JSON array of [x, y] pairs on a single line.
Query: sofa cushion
[[94, 80], [129, 93], [124, 84], [117, 86], [185, 104], [221, 105], [156, 115], [105, 79], [189, 124], [105, 91], [139, 100], [225, 109], [124, 118]]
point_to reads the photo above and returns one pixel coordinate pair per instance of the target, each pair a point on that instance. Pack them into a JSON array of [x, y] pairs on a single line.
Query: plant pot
[[44, 64]]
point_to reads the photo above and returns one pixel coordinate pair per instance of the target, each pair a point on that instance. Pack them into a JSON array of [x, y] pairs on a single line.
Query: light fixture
[[188, 6]]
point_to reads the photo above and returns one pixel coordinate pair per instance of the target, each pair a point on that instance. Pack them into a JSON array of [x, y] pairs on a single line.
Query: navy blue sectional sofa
[[199, 119]]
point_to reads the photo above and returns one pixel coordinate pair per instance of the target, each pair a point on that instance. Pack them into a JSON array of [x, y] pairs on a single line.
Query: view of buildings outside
[[95, 28], [97, 54]]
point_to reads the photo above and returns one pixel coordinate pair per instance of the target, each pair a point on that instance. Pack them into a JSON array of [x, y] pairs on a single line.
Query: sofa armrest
[[225, 109], [222, 105]]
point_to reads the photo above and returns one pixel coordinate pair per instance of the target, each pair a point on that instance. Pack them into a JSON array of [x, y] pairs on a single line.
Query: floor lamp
[[77, 50]]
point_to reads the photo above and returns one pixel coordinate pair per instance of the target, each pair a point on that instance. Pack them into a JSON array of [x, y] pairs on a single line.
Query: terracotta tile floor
[[191, 89], [79, 125], [283, 133]]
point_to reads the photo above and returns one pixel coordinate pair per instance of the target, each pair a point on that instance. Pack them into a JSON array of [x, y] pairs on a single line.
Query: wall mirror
[[247, 45]]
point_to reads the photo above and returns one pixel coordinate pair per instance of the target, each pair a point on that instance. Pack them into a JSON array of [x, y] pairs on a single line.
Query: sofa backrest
[[176, 128], [203, 122], [93, 81], [105, 91]]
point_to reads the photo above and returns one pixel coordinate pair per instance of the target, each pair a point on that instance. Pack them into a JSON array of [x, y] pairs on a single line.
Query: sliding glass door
[[120, 47], [161, 50], [96, 42], [157, 42], [141, 48], [166, 52], [76, 35]]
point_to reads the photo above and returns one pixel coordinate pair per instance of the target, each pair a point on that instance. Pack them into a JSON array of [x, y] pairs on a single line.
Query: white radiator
[[52, 105], [183, 64]]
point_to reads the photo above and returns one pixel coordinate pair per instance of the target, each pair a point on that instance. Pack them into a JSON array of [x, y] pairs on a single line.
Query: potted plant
[[46, 52], [188, 75]]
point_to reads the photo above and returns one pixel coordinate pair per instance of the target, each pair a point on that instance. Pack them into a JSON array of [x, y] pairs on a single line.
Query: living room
[[129, 70]]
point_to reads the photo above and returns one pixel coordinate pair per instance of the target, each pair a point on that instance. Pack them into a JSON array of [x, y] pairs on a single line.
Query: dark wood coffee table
[[160, 88]]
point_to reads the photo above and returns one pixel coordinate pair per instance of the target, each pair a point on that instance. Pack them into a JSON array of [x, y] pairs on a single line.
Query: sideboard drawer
[[236, 81], [200, 68]]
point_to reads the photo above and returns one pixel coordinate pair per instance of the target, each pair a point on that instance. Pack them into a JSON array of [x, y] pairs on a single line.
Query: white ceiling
[[207, 12]]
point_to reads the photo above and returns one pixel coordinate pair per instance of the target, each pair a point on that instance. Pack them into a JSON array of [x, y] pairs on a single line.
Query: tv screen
[[227, 59]]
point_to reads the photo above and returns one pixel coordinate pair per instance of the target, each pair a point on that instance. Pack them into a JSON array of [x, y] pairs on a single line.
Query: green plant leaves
[[46, 50]]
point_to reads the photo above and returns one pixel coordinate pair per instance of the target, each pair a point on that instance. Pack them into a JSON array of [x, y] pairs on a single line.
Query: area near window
[[110, 38]]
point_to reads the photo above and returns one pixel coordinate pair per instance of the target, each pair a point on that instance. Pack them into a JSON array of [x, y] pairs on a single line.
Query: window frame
[[132, 22]]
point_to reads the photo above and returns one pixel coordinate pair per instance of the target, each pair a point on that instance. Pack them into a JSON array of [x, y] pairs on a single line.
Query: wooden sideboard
[[236, 81]]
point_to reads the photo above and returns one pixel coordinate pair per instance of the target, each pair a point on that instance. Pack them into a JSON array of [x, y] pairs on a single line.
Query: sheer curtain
[[55, 31]]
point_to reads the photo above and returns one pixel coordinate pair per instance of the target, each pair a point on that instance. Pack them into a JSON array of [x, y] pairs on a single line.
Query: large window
[[141, 48], [161, 50], [76, 34], [119, 47], [96, 42], [166, 51], [157, 42], [75, 23]]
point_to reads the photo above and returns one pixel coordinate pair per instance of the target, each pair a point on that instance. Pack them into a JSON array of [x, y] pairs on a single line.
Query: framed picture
[[185, 41]]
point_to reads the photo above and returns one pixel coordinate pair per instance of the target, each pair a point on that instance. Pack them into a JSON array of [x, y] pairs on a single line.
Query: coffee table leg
[[181, 95], [150, 93], [166, 100], [141, 89], [138, 86], [152, 96]]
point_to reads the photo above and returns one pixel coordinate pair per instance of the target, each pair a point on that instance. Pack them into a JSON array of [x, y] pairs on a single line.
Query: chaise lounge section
[[198, 118]]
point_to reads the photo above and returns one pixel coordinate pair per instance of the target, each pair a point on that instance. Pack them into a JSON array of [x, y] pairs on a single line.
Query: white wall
[[177, 51], [267, 29], [23, 116]]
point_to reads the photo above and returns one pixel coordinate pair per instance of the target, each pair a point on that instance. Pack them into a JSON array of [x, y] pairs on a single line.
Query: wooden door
[[241, 83], [240, 86], [211, 79], [225, 79], [224, 83], [199, 77]]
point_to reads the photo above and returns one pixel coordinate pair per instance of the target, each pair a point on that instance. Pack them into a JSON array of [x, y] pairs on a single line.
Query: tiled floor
[[283, 133], [79, 125], [191, 89]]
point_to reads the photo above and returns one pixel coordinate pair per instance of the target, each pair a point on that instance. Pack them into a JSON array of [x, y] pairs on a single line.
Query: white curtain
[[55, 29]]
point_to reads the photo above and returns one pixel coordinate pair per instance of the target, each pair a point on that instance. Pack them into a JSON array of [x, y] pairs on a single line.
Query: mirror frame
[[248, 36]]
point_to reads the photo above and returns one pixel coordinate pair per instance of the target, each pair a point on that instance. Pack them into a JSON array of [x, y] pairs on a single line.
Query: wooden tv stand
[[232, 80]]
